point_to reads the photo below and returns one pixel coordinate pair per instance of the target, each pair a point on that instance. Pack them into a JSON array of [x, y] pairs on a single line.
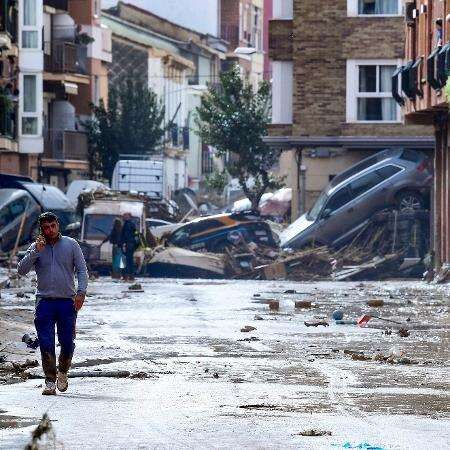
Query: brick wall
[[324, 38]]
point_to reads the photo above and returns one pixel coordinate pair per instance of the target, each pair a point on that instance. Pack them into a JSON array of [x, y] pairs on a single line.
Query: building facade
[[423, 89], [332, 88], [21, 87], [53, 65], [177, 63], [76, 52], [242, 25]]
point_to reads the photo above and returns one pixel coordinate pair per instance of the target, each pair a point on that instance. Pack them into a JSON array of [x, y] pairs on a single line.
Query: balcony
[[8, 124], [57, 4], [65, 57], [230, 33], [281, 38], [8, 23], [422, 79], [66, 145]]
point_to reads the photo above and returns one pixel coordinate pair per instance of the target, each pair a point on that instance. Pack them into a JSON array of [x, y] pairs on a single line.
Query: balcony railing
[[230, 33], [65, 57], [8, 18], [8, 123], [58, 4], [66, 144]]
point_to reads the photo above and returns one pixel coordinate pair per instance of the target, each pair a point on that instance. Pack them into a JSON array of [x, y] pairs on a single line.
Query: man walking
[[128, 243], [56, 259]]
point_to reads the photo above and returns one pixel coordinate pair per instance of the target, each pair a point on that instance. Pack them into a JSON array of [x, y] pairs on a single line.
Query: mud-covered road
[[205, 384]]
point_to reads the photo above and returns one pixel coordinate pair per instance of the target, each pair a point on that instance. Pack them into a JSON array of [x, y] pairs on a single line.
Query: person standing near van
[[56, 259], [115, 239], [128, 241]]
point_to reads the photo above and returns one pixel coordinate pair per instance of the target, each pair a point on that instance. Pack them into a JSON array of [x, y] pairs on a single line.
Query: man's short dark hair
[[48, 217], [439, 22]]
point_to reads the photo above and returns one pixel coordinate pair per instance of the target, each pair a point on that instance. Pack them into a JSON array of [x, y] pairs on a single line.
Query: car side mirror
[[326, 213]]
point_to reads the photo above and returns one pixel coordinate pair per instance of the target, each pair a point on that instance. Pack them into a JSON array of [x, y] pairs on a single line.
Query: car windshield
[[66, 217], [98, 226], [314, 212]]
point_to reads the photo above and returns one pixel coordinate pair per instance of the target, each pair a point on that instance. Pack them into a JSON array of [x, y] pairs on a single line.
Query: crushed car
[[13, 204], [216, 233]]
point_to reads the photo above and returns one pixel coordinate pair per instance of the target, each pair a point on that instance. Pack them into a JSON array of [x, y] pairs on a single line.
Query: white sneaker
[[50, 388], [62, 382]]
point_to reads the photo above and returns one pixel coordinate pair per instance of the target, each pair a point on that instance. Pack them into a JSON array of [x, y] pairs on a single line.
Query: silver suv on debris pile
[[391, 178]]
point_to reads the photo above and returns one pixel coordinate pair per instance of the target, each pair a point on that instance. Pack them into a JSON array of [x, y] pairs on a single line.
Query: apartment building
[[422, 88], [332, 68], [177, 63], [11, 160], [242, 25], [21, 86], [76, 52]]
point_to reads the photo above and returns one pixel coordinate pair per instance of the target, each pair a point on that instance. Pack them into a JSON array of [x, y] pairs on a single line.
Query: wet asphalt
[[199, 382]]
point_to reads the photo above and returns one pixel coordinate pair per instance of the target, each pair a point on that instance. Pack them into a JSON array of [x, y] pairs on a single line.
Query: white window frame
[[352, 10], [37, 27], [39, 104], [352, 91]]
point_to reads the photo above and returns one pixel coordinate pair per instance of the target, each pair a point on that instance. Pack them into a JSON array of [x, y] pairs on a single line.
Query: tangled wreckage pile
[[392, 244]]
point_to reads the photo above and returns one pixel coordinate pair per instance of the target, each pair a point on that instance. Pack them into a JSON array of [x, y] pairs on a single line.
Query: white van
[[139, 176]]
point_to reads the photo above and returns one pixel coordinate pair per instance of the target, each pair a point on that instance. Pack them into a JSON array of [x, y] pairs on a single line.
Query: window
[[256, 39], [29, 93], [388, 171], [30, 34], [30, 106], [365, 183], [338, 200], [378, 6], [17, 207], [369, 92], [374, 7], [5, 216]]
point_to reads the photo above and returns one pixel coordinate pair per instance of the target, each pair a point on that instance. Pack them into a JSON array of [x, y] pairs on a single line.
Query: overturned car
[[216, 233]]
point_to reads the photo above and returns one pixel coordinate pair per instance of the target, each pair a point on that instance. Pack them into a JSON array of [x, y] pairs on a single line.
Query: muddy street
[[198, 381]]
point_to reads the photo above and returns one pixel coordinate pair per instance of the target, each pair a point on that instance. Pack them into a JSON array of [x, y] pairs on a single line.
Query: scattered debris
[[93, 374], [274, 305], [314, 432], [303, 304], [258, 317], [31, 340], [365, 319], [247, 329], [363, 446], [215, 375], [317, 323], [403, 332], [44, 430], [250, 339], [346, 322], [375, 303], [136, 287]]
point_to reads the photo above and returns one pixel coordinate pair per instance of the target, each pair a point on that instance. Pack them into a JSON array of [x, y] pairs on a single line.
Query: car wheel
[[410, 201]]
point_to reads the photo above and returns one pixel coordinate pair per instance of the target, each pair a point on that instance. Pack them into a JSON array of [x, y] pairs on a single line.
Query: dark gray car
[[391, 178], [13, 203]]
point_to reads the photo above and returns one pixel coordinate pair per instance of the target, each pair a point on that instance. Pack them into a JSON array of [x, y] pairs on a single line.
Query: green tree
[[233, 119], [133, 123]]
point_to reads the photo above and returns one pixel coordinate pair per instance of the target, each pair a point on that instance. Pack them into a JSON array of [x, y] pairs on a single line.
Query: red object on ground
[[363, 320]]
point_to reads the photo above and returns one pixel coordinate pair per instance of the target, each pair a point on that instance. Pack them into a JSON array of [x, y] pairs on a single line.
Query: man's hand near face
[[79, 300], [40, 243]]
